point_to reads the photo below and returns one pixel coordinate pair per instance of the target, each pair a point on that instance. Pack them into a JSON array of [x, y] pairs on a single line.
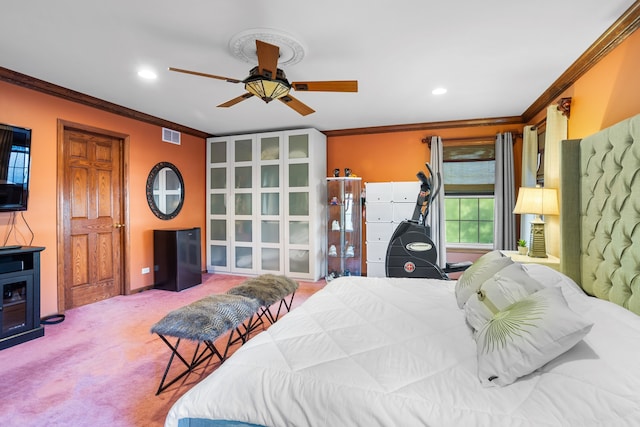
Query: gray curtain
[[529, 173], [436, 217], [504, 232]]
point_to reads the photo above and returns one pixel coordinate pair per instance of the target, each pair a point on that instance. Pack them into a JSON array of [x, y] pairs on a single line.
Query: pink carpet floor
[[101, 366]]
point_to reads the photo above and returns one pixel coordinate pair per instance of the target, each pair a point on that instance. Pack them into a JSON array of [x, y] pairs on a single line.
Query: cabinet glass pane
[[243, 230], [299, 232], [298, 261], [243, 150], [244, 258], [270, 204], [218, 204], [299, 203], [243, 177], [219, 178], [299, 175], [270, 148], [270, 176], [14, 318], [218, 229], [218, 152], [298, 146], [243, 204], [270, 232], [218, 256], [270, 259]]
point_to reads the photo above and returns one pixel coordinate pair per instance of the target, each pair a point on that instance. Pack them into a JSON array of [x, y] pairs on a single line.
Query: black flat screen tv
[[15, 157]]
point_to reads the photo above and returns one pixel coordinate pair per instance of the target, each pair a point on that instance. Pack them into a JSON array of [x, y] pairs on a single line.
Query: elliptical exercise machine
[[411, 252]]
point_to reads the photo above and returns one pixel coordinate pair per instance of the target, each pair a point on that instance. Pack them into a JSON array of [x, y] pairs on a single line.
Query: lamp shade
[[266, 89], [537, 200]]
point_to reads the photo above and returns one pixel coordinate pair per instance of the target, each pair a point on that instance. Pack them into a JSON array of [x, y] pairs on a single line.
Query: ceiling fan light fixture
[[265, 88]]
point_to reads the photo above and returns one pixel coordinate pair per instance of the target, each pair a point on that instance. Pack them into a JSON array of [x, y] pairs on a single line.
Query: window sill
[[469, 247]]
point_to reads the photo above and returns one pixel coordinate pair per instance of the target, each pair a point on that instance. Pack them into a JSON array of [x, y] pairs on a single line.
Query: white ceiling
[[495, 57]]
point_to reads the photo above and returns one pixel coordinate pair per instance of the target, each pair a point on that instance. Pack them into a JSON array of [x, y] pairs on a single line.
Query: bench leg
[[284, 305], [243, 331], [199, 356], [252, 324], [265, 312], [260, 316]]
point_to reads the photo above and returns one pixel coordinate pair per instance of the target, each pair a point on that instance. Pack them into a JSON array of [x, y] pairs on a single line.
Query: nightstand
[[550, 261]]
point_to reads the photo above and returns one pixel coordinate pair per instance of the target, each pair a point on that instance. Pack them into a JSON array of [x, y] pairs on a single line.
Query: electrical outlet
[[145, 270]]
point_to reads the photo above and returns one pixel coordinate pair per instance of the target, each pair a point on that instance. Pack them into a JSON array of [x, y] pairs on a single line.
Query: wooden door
[[92, 217]]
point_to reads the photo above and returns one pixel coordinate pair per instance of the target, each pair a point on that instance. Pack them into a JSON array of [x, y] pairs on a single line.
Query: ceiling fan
[[268, 82]]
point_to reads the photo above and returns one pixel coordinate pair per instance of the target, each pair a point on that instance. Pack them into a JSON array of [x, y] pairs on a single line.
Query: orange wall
[[609, 92], [31, 109], [398, 156]]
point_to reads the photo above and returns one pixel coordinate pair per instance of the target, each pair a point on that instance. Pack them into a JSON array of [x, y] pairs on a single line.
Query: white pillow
[[482, 269], [548, 277], [509, 285], [527, 335]]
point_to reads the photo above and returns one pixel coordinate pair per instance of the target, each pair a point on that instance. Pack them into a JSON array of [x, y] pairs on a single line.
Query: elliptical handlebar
[[438, 179], [426, 195]]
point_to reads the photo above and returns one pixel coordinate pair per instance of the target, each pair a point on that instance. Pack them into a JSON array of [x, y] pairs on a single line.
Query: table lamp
[[537, 201]]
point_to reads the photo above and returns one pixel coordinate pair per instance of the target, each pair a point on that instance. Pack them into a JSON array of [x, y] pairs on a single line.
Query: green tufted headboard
[[600, 213]]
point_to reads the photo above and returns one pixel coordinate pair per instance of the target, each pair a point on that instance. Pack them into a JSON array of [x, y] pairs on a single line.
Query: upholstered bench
[[204, 321], [268, 290]]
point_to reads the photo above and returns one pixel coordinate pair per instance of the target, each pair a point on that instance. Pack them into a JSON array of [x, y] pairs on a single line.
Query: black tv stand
[[20, 287]]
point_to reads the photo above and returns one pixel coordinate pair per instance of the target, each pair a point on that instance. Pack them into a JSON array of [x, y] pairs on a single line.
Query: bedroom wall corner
[[608, 92]]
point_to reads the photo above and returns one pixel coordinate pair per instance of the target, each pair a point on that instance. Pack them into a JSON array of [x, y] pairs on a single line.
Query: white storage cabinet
[[387, 205]]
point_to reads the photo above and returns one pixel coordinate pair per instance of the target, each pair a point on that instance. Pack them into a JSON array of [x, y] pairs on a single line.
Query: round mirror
[[165, 190]]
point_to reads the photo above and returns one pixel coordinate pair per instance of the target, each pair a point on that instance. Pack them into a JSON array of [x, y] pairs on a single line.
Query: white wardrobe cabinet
[[266, 201]]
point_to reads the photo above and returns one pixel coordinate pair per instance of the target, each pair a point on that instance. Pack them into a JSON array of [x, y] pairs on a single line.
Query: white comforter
[[397, 352]]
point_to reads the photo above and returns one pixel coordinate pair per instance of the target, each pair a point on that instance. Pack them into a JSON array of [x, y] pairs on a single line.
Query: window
[[468, 179], [469, 220]]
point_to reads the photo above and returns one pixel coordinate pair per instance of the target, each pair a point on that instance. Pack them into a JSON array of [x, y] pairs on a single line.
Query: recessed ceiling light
[[439, 91], [147, 74]]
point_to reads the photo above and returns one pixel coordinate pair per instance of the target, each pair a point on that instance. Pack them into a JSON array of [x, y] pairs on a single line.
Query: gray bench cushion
[[266, 288], [208, 318]]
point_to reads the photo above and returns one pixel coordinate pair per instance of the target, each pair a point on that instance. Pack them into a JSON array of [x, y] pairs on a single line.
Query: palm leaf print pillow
[[526, 335]]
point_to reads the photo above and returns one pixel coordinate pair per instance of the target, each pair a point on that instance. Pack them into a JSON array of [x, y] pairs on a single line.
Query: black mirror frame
[[149, 190]]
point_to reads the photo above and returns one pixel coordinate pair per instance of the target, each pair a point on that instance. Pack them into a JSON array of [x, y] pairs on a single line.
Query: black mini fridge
[[176, 259]]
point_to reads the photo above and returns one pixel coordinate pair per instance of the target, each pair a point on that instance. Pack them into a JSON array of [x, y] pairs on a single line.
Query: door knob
[[118, 225]]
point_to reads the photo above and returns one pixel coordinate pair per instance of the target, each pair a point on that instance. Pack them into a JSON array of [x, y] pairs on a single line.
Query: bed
[[505, 345]]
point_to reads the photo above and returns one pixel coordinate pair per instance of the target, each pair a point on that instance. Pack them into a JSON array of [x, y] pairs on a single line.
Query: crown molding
[[32, 83], [514, 120], [616, 34], [610, 39]]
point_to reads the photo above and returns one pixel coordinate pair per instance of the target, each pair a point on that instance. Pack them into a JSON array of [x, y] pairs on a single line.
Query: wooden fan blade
[[212, 76], [267, 59], [234, 101], [328, 86], [300, 107]]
